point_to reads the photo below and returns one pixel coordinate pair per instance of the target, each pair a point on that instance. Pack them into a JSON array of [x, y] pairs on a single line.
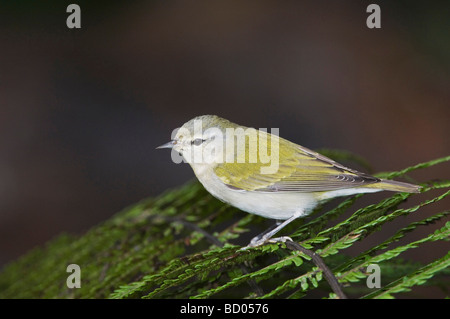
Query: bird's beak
[[167, 145]]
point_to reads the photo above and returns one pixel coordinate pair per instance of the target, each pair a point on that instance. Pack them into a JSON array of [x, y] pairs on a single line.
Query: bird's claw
[[256, 242]]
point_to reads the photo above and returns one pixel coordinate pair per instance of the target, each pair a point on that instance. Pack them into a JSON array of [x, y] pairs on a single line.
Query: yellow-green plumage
[[266, 174], [300, 170]]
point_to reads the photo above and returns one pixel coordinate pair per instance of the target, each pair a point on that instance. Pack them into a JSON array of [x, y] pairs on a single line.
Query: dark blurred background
[[82, 110]]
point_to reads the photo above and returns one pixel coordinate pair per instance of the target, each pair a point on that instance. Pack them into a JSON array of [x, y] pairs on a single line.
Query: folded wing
[[299, 170]]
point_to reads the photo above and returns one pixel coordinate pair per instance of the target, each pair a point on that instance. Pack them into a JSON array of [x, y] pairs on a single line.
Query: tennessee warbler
[[266, 175]]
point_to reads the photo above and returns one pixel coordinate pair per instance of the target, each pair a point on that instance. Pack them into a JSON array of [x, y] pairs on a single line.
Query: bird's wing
[[299, 170]]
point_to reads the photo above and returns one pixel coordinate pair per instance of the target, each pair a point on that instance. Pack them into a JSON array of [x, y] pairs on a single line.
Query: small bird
[[264, 174]]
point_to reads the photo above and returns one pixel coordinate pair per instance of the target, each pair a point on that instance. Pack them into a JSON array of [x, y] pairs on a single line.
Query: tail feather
[[395, 186]]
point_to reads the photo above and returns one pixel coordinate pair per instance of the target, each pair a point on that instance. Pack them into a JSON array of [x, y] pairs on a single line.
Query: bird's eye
[[197, 141]]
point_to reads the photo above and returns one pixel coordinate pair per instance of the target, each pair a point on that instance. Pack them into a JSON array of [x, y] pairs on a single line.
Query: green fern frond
[[186, 244], [419, 277], [356, 272], [396, 237]]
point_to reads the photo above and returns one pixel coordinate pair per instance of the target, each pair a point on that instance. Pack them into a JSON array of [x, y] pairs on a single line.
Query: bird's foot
[[259, 241], [281, 239]]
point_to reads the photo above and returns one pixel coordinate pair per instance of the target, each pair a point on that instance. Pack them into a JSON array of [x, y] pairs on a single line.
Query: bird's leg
[[267, 235], [260, 236]]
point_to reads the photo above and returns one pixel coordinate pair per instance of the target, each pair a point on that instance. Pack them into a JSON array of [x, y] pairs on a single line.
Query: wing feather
[[299, 170]]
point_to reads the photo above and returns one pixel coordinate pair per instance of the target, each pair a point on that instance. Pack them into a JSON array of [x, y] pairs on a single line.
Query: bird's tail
[[395, 186]]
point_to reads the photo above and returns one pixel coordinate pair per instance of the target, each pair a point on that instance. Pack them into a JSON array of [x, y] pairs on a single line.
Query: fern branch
[[152, 249], [391, 175], [418, 277], [348, 239], [356, 273], [334, 283], [396, 237]]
